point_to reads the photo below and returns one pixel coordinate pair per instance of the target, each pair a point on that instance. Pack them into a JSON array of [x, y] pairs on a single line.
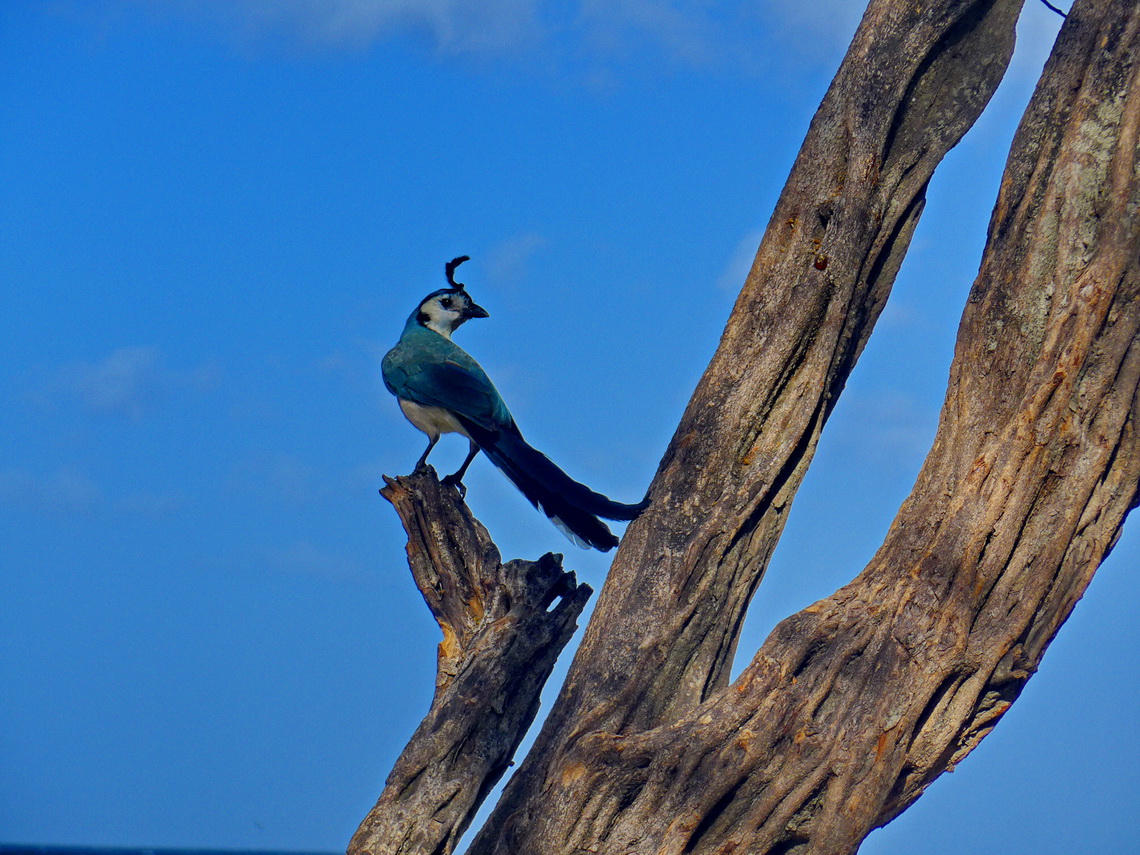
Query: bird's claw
[[452, 481]]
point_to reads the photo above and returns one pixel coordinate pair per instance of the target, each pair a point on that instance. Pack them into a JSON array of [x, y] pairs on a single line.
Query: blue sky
[[215, 219]]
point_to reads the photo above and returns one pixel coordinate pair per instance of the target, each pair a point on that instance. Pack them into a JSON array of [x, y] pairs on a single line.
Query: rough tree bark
[[503, 628], [852, 707]]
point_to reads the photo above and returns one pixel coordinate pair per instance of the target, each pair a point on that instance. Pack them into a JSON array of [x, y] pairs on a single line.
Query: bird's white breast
[[431, 420]]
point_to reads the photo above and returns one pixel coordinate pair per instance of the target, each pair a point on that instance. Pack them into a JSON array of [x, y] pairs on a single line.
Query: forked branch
[[503, 628], [855, 705]]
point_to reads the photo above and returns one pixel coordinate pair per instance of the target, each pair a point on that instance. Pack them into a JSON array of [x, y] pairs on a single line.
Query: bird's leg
[[422, 462], [456, 478]]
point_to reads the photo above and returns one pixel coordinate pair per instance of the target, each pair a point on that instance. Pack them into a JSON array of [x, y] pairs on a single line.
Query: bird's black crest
[[449, 269]]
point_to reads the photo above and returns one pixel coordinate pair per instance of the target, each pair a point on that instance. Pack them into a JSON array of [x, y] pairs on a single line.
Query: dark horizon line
[[64, 849]]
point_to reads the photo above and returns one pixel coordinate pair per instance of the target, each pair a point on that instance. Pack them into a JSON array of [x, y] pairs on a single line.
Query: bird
[[442, 389]]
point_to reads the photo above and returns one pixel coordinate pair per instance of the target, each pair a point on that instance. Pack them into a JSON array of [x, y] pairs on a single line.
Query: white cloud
[[148, 503], [886, 428], [127, 382], [900, 315], [301, 557], [453, 26], [736, 270], [70, 490], [66, 490], [280, 477], [694, 33], [821, 29], [508, 263], [683, 30], [367, 477]]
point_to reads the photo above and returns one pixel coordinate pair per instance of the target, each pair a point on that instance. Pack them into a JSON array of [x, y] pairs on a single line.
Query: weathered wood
[[853, 706], [503, 628], [663, 635]]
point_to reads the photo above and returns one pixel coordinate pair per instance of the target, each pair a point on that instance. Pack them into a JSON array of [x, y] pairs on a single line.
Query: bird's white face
[[445, 311]]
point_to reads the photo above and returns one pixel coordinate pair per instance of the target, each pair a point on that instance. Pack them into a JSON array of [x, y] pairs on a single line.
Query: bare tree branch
[[914, 80], [503, 628], [852, 707], [855, 705]]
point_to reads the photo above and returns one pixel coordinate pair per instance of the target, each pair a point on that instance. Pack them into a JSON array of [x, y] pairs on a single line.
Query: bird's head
[[445, 310]]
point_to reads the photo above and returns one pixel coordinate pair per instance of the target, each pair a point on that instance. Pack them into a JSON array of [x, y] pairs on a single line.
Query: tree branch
[[503, 628], [854, 706], [666, 626]]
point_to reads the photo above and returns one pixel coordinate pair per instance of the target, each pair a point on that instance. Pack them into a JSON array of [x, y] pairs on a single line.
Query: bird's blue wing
[[453, 381]]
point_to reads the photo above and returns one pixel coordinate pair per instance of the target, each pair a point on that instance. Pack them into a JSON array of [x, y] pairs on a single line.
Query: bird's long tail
[[571, 506]]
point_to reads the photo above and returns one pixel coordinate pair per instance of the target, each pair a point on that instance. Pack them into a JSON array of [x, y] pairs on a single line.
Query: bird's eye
[[445, 302]]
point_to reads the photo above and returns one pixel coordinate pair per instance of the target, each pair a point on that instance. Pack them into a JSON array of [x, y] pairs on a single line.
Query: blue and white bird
[[441, 389]]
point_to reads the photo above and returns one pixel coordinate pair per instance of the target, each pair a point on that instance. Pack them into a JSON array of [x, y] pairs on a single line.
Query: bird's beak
[[474, 310]]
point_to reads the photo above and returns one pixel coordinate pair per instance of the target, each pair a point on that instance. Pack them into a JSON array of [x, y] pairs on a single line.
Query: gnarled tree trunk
[[853, 706]]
